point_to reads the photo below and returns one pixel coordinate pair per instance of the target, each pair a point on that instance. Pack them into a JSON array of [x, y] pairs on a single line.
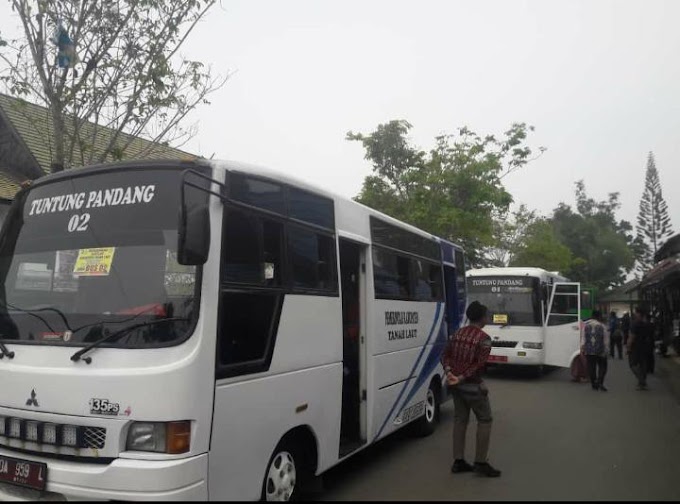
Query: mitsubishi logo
[[32, 401]]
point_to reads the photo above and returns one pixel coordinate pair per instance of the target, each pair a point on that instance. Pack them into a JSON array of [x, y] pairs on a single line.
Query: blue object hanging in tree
[[66, 57]]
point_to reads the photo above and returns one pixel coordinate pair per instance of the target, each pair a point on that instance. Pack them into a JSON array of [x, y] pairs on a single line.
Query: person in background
[[639, 343], [464, 359], [613, 320], [616, 336], [595, 346], [625, 327]]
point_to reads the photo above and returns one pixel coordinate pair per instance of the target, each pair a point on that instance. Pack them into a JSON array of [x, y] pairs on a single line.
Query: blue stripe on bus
[[415, 366], [432, 361]]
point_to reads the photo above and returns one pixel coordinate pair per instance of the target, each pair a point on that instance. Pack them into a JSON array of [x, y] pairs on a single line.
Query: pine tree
[[653, 222]]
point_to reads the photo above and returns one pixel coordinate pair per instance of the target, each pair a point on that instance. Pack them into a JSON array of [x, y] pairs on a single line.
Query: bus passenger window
[[436, 282], [247, 326], [242, 249], [423, 286], [385, 274], [273, 245], [391, 275], [252, 250], [258, 193], [312, 258], [404, 277], [311, 208], [428, 281]]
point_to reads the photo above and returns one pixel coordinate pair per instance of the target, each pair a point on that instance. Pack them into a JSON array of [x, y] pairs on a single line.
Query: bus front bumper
[[122, 479], [517, 356]]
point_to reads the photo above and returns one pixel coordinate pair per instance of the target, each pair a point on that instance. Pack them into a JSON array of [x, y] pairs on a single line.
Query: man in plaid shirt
[[464, 359]]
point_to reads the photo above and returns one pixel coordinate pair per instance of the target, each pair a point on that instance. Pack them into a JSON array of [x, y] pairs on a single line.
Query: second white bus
[[534, 315]]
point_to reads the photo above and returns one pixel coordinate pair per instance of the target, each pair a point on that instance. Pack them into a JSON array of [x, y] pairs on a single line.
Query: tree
[[540, 248], [453, 191], [510, 232], [115, 64], [603, 248], [653, 222]]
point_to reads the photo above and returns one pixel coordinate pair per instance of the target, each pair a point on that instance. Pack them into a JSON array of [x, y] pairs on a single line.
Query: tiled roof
[[8, 186], [625, 292], [34, 125]]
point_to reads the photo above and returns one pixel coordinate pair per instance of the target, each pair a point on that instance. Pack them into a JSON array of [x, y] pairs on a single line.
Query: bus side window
[[312, 258], [242, 236], [252, 250], [565, 307], [392, 275], [428, 279], [248, 323], [251, 294]]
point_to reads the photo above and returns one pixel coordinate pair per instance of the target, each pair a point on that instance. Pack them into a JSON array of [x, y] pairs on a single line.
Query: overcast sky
[[600, 81]]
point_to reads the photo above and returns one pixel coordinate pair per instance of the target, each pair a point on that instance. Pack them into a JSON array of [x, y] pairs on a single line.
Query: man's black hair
[[476, 311], [597, 314]]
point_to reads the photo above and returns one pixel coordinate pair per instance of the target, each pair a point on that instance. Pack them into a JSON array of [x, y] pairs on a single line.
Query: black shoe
[[460, 466], [596, 387], [603, 388], [485, 469]]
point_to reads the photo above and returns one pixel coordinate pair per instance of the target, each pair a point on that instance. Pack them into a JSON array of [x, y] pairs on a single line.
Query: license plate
[[23, 473], [497, 358]]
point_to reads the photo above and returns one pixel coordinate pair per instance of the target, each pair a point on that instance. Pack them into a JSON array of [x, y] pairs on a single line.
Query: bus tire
[[538, 371], [287, 472], [427, 423]]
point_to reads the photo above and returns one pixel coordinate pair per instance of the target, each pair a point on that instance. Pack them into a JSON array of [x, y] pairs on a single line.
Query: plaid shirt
[[466, 353]]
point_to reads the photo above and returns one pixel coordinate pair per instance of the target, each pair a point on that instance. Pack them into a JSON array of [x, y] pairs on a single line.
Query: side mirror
[[194, 226]]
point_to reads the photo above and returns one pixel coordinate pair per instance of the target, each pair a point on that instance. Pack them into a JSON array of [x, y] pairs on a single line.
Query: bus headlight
[[533, 346], [160, 437]]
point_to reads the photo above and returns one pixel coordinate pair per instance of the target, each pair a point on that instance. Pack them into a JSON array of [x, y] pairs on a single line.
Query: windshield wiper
[[5, 351], [34, 314], [79, 354]]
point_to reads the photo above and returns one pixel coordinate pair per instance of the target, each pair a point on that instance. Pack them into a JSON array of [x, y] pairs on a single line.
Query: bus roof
[[348, 206], [510, 271], [343, 201]]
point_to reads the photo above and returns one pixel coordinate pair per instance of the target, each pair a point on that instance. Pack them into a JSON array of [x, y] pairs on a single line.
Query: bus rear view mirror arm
[[193, 240]]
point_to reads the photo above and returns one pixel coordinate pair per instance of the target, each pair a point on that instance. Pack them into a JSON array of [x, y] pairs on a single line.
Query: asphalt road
[[553, 440]]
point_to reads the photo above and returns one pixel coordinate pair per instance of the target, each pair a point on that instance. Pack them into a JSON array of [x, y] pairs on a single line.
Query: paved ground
[[552, 439]]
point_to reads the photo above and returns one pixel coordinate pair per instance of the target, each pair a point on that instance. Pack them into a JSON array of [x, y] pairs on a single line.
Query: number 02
[[78, 223]]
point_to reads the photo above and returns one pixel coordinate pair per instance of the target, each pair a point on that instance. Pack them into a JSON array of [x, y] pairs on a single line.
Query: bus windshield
[[510, 300], [94, 254]]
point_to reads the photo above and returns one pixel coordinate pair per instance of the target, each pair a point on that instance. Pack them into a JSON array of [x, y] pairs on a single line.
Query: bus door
[[452, 314], [353, 433], [563, 324], [454, 286]]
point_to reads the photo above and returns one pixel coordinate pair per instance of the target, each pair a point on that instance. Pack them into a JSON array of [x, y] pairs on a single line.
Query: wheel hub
[[281, 478], [430, 406]]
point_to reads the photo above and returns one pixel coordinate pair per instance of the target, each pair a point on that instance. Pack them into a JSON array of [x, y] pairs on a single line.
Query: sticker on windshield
[[499, 318], [56, 336], [94, 262], [51, 336]]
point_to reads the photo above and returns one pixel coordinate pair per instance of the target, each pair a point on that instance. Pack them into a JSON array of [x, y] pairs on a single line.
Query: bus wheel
[[427, 423], [284, 473]]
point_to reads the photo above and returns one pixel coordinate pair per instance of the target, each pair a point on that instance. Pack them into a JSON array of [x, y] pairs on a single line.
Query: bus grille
[[51, 434], [504, 344]]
